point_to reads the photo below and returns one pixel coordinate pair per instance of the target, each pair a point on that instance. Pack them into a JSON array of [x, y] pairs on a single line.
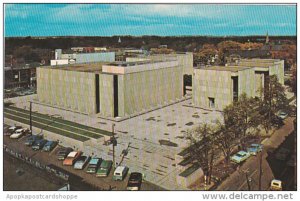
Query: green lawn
[[47, 128], [66, 122], [54, 123]]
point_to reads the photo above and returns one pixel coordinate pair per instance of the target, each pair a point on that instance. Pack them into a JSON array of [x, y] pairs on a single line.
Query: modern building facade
[[185, 59], [118, 89], [215, 87], [80, 58]]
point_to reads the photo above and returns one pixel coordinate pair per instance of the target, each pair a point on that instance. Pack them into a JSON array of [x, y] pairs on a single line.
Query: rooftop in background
[[260, 60], [265, 63], [225, 68], [88, 67], [135, 63]]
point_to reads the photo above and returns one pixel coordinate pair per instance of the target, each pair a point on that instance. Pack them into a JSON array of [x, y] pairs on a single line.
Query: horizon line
[[224, 36]]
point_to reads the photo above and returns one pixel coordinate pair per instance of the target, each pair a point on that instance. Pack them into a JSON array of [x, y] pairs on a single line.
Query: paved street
[[238, 181]]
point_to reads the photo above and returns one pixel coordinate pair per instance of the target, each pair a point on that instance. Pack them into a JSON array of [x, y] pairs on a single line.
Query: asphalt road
[[251, 168]]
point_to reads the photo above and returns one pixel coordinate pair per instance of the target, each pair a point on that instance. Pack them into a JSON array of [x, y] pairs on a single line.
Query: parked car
[[72, 158], [11, 130], [120, 173], [134, 181], [240, 156], [50, 145], [282, 154], [63, 153], [39, 144], [277, 121], [93, 165], [32, 138], [282, 115], [254, 149], [104, 169], [276, 185], [18, 133], [81, 162]]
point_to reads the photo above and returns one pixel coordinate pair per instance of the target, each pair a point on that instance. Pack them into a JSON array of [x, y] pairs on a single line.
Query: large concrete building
[[118, 89], [215, 87]]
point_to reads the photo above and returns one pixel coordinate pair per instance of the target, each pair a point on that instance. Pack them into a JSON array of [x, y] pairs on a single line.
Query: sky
[[148, 19]]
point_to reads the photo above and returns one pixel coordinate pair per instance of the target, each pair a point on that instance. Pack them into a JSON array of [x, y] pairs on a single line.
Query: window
[[211, 102]]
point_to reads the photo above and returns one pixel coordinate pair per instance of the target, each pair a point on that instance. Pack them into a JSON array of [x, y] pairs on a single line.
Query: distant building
[[21, 76], [79, 58]]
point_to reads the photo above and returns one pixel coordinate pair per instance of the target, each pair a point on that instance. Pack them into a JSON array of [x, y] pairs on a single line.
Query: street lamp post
[[30, 115], [114, 143]]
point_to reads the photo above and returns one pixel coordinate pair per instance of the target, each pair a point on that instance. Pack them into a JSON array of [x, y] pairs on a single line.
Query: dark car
[[63, 153], [32, 139], [50, 145], [278, 122], [39, 144], [135, 181]]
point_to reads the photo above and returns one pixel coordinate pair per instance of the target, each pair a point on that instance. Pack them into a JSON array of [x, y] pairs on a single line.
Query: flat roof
[[134, 63], [260, 60], [87, 67], [226, 68]]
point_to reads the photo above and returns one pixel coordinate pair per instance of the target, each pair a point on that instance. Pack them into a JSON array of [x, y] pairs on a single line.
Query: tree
[[202, 148], [294, 79], [240, 116], [273, 100], [225, 140]]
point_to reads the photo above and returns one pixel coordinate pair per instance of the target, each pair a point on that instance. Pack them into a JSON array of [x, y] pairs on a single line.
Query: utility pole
[[114, 143], [248, 181], [247, 178], [30, 115], [260, 171]]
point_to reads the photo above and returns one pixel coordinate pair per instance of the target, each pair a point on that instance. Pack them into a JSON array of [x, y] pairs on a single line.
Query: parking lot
[[146, 136], [48, 158]]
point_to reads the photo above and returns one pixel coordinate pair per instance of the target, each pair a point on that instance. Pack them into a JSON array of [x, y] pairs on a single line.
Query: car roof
[[94, 161], [19, 130], [242, 152], [277, 181], [136, 174], [105, 163], [120, 169], [72, 154], [49, 142]]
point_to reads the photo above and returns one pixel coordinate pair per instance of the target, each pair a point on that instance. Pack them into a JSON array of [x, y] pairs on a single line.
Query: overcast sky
[[148, 19]]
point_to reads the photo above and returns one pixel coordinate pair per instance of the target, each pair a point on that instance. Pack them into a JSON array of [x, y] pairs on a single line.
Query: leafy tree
[[240, 116], [294, 79], [273, 100], [225, 140], [202, 148]]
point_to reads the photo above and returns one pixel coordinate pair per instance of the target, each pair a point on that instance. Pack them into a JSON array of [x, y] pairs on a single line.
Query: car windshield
[[239, 155]]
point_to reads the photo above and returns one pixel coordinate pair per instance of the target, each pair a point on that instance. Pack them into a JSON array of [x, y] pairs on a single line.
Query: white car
[[282, 115], [240, 157], [18, 133]]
